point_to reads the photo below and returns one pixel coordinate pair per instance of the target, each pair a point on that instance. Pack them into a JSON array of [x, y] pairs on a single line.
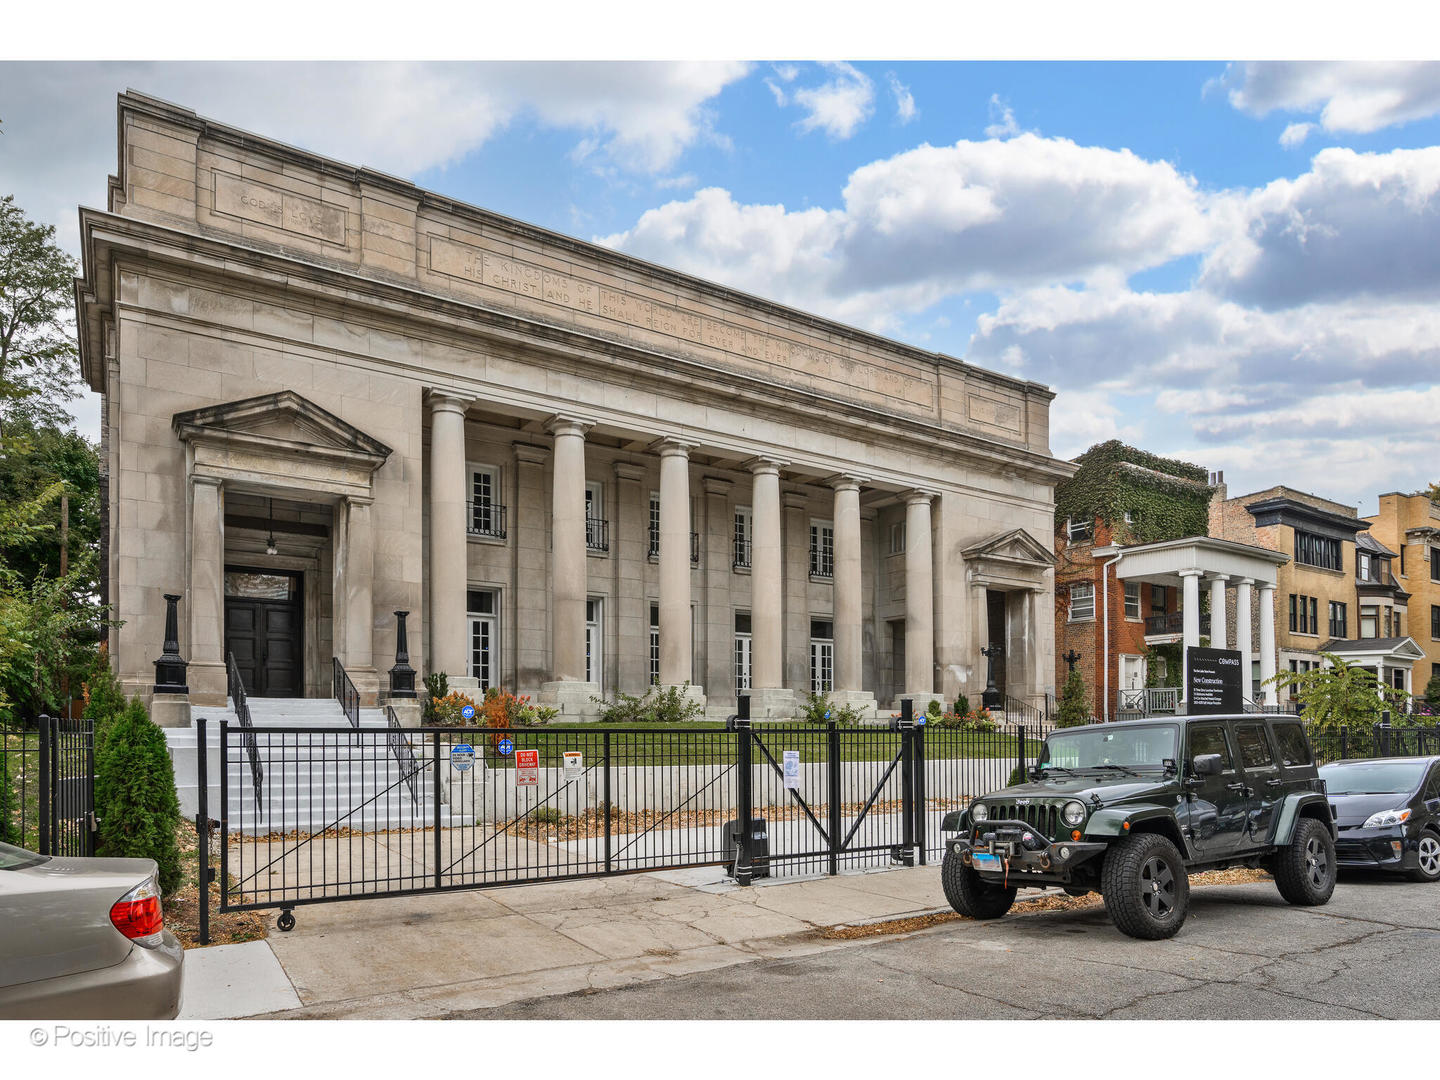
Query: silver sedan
[[84, 939]]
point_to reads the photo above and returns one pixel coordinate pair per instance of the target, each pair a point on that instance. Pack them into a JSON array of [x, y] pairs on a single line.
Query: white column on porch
[[1189, 620], [1219, 616], [206, 673], [1244, 614], [449, 572], [358, 586], [848, 600], [567, 542], [1267, 642], [768, 695]]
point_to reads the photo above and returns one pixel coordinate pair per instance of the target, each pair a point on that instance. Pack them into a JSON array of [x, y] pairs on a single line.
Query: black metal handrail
[[1173, 622], [247, 736], [404, 753], [597, 534], [1018, 711], [486, 519], [344, 692]]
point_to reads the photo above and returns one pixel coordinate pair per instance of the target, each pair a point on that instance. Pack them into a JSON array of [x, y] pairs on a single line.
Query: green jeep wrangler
[[1129, 809]]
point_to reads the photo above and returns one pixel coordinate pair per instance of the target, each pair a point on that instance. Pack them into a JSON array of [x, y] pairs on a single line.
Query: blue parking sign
[[505, 747]]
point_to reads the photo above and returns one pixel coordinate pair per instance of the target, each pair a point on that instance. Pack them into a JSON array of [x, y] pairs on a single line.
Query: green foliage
[[1171, 654], [9, 804], [104, 700], [962, 704], [34, 459], [135, 801], [934, 708], [437, 685], [819, 709], [1074, 709], [660, 705], [1432, 692], [1340, 694], [1166, 499], [545, 815], [969, 720]]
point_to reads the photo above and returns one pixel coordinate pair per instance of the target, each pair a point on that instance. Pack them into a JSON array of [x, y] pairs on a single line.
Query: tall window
[[482, 609], [1082, 601], [1132, 600], [1304, 614], [1435, 564], [897, 538], [1369, 621], [742, 537], [654, 644], [1363, 565], [654, 524], [1314, 550], [822, 656], [594, 642], [1159, 599], [742, 651], [822, 549], [1337, 620], [1435, 623], [487, 516], [597, 534]]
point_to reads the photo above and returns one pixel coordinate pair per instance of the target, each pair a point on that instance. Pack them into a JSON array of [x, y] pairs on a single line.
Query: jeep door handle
[[1234, 787], [1273, 783]]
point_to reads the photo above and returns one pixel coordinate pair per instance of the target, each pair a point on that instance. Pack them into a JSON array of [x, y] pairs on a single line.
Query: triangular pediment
[[280, 421], [1015, 546]]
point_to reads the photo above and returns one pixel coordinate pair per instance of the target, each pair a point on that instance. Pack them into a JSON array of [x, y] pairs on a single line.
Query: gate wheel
[[286, 922]]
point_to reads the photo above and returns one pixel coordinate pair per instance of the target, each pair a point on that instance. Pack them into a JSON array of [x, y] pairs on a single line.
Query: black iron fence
[[47, 786], [1374, 740]]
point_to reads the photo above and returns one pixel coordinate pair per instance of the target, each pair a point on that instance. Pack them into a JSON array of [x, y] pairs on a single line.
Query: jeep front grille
[[1043, 818]]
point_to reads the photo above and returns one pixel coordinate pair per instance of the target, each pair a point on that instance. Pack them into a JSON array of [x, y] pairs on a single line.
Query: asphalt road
[[1372, 952]]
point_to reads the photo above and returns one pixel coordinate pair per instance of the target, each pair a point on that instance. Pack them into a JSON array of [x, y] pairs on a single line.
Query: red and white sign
[[527, 768]]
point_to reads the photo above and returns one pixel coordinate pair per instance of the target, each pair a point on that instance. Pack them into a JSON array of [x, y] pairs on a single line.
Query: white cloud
[[839, 105], [1295, 134], [1002, 120], [905, 110], [1358, 97]]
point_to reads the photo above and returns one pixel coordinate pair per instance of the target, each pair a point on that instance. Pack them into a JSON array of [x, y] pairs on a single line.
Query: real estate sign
[[1214, 682]]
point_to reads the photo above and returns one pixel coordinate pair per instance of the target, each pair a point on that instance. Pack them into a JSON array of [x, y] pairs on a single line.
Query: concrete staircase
[[313, 779]]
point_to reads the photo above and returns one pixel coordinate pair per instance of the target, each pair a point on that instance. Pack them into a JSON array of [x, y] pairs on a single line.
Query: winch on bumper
[[1006, 847]]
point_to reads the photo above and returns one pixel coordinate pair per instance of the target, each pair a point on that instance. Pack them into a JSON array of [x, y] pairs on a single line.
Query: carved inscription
[[1001, 414], [279, 209]]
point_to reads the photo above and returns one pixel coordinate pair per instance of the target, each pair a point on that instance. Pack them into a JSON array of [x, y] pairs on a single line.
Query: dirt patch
[[182, 909]]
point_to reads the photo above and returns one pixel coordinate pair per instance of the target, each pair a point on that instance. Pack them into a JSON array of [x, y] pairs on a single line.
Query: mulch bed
[[182, 910]]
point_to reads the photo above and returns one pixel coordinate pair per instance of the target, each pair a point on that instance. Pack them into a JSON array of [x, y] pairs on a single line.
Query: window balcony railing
[[822, 564], [597, 534], [694, 546], [741, 559], [1172, 623], [486, 519]]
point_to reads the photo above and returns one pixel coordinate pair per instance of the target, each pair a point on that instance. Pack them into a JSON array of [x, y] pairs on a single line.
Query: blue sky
[[1237, 264]]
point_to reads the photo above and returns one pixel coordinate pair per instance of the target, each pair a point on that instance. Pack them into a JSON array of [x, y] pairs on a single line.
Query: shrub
[[962, 705], [970, 720], [446, 711], [1074, 707], [1432, 692], [437, 685], [660, 705], [135, 798], [9, 828], [104, 700], [819, 709], [934, 709]]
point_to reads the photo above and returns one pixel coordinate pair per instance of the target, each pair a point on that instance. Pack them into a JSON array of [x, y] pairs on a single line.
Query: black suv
[[1129, 809]]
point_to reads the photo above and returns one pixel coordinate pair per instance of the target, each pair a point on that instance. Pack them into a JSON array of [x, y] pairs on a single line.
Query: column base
[[773, 703], [689, 691], [862, 701], [407, 710], [922, 698], [171, 710], [572, 698], [465, 684], [209, 683]]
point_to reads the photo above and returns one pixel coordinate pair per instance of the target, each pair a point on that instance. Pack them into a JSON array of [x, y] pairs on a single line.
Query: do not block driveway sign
[[527, 768]]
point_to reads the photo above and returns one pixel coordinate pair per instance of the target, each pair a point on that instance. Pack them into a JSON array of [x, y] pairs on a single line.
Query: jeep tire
[[969, 894], [1305, 870], [1145, 886]]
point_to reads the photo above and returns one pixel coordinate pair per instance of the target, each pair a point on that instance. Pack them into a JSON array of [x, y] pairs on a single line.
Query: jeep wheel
[[1145, 886], [1305, 871], [1427, 857], [969, 894]]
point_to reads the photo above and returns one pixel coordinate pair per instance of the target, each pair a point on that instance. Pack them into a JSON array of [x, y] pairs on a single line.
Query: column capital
[[447, 401], [208, 481], [761, 464], [626, 470], [359, 500], [794, 500], [847, 481], [530, 454], [673, 446], [565, 424], [1265, 586], [1245, 581], [919, 495], [1190, 572]]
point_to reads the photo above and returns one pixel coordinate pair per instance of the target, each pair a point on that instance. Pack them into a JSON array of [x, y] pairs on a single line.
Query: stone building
[[330, 396]]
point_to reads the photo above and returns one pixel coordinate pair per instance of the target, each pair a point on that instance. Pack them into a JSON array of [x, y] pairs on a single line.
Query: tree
[[38, 356], [1340, 694], [135, 801], [1074, 707], [1432, 692]]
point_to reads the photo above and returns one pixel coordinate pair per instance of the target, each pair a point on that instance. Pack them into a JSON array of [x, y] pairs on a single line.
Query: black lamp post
[[1070, 659], [170, 668], [991, 697], [402, 675]]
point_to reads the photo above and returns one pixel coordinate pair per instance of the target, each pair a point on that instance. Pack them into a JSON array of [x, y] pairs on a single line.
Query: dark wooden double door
[[266, 637]]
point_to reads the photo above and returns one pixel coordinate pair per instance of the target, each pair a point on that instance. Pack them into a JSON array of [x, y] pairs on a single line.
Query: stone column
[[207, 592], [919, 601], [1219, 616], [1267, 642], [718, 664], [568, 689], [359, 583], [768, 696], [1244, 614], [849, 600], [449, 544], [1189, 621], [629, 544], [677, 643], [795, 570], [528, 605]]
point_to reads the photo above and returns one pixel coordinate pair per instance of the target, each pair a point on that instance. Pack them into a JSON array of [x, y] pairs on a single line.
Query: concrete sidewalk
[[427, 956]]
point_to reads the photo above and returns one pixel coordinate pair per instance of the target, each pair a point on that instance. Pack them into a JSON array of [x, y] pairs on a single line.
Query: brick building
[[1409, 525]]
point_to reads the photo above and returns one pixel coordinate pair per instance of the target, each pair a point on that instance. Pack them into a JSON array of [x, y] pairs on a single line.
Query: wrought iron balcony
[[741, 558], [694, 546], [486, 519], [1172, 624], [597, 534], [822, 564]]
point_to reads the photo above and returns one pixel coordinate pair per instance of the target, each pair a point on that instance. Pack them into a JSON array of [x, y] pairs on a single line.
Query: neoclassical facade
[[331, 396]]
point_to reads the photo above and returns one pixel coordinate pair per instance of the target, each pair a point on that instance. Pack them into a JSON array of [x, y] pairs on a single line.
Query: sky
[[1236, 264]]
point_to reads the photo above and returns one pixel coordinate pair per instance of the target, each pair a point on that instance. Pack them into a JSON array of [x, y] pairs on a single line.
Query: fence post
[[202, 826], [907, 789], [45, 806], [1384, 727], [605, 794], [744, 865], [834, 795], [1020, 748], [225, 812], [1344, 741], [435, 746], [919, 791], [89, 826]]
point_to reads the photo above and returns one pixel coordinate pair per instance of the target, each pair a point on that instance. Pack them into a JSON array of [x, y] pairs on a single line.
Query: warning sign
[[574, 765], [792, 769], [527, 768]]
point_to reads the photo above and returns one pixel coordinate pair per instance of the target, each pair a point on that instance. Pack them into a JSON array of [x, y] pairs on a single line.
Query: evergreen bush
[[1074, 707], [819, 709], [1432, 692], [135, 801], [9, 828], [660, 705]]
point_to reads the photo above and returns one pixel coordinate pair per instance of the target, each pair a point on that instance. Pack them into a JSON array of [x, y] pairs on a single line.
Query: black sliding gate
[[47, 786], [314, 815]]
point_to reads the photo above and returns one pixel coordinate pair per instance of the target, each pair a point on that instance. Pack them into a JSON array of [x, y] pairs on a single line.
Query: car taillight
[[138, 916]]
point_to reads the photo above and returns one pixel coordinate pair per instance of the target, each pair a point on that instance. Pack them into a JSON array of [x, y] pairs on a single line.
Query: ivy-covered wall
[[1166, 499]]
